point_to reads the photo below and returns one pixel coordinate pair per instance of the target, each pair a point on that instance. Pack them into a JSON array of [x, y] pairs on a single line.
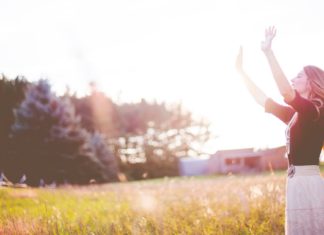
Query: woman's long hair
[[315, 77]]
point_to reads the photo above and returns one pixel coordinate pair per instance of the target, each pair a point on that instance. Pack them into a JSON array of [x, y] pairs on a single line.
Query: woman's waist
[[300, 170]]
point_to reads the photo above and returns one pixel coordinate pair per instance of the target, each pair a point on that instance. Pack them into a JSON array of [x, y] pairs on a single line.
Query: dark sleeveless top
[[305, 130]]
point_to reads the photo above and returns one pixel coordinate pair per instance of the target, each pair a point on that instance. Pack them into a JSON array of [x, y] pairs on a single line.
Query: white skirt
[[304, 201]]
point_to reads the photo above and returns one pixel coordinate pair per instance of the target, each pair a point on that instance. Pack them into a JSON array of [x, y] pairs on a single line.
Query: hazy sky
[[176, 50]]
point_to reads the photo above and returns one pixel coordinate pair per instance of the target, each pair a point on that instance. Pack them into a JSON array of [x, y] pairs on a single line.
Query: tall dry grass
[[210, 205]]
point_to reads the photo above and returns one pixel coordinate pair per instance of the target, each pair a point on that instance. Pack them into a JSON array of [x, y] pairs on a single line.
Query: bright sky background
[[169, 50]]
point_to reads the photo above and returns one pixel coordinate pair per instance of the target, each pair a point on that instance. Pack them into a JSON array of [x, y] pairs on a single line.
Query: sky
[[166, 50]]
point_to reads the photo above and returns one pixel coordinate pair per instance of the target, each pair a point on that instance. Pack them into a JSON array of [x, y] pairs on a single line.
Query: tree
[[153, 150], [52, 143], [98, 113], [148, 138], [12, 92]]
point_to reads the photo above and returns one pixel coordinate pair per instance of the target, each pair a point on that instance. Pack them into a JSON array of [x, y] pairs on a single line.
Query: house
[[247, 160], [235, 161]]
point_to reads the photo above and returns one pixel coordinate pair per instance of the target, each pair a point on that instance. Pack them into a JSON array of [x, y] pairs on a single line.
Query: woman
[[304, 116]]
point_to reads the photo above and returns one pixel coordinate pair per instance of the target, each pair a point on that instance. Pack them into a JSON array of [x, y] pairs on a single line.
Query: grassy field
[[231, 204]]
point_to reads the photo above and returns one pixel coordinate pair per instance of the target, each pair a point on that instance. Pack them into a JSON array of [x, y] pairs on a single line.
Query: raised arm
[[258, 95], [284, 113], [283, 85]]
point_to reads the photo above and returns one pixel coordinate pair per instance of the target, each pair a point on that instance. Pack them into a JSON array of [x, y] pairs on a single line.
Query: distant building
[[247, 160], [190, 166], [235, 161]]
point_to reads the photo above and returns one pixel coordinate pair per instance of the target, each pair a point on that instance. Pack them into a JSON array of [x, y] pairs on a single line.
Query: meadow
[[229, 204]]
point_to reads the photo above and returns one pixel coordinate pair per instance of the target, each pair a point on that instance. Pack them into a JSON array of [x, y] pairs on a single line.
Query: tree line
[[69, 139]]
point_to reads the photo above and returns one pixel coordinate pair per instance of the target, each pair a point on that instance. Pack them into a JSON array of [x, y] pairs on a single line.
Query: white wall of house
[[190, 166]]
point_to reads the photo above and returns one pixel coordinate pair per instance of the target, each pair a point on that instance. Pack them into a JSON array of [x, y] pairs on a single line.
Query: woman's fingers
[[274, 31], [239, 59], [239, 55], [271, 32]]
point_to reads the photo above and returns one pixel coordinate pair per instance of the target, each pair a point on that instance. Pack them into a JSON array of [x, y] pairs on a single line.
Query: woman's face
[[300, 83]]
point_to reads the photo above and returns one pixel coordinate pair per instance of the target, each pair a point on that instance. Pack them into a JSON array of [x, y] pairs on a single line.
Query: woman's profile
[[304, 116]]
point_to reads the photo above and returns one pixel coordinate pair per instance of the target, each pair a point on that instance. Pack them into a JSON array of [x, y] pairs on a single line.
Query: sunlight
[[146, 202], [99, 110], [184, 52]]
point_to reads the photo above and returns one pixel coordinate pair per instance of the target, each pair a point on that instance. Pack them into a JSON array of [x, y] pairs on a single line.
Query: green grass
[[250, 204]]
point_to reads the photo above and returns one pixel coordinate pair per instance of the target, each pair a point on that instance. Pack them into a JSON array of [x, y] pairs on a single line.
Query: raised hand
[[255, 91], [269, 35], [239, 61]]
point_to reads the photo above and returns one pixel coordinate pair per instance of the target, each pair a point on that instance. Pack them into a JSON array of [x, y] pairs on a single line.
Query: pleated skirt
[[304, 201]]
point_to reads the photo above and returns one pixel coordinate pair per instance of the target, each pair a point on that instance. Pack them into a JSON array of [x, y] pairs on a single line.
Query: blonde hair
[[315, 77]]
